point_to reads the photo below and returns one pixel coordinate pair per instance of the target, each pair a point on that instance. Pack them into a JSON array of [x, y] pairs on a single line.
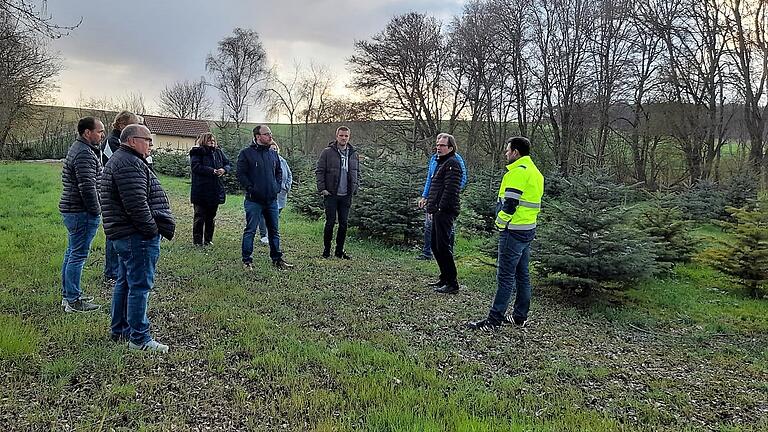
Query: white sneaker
[[265, 240], [152, 345], [86, 298]]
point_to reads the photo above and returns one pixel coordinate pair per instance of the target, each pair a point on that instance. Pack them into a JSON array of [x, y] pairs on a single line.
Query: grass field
[[360, 345]]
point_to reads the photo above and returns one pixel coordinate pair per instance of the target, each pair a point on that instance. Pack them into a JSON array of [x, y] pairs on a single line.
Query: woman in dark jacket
[[209, 164]]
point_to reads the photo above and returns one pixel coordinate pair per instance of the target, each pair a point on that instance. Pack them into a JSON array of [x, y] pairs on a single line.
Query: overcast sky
[[143, 45]]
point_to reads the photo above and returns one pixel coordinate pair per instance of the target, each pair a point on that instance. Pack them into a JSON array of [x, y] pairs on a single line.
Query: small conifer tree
[[664, 224], [744, 255], [585, 241]]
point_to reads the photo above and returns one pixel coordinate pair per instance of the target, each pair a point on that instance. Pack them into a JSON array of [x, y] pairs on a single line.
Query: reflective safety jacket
[[520, 196]]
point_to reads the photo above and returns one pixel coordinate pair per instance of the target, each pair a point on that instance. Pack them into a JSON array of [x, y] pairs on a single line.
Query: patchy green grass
[[361, 345]]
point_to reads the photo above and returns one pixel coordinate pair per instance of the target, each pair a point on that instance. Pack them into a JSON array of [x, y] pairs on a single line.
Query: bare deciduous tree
[[36, 20], [285, 96], [402, 67], [239, 72], [186, 99], [748, 34], [26, 71]]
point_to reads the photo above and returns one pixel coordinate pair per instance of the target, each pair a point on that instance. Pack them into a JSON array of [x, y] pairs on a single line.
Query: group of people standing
[[136, 212], [113, 179]]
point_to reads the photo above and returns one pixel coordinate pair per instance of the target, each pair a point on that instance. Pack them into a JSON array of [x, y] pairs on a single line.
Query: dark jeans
[[263, 224], [254, 211], [81, 229], [427, 251], [336, 205], [512, 275], [442, 224], [110, 260], [137, 257], [204, 224]]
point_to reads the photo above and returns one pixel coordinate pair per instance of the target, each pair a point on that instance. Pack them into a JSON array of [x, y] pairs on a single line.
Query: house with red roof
[[174, 133]]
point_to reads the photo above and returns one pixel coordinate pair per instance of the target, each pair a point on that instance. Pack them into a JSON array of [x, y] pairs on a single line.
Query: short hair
[[257, 130], [130, 131], [342, 128], [451, 139], [204, 137], [86, 123], [521, 144], [123, 119]]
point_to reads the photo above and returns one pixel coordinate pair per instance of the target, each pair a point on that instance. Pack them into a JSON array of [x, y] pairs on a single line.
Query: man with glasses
[[443, 205], [80, 210], [136, 214], [426, 253], [260, 174]]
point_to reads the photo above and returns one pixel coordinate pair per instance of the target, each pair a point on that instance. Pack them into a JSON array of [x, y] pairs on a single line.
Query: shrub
[[385, 207], [478, 202], [171, 162], [304, 197]]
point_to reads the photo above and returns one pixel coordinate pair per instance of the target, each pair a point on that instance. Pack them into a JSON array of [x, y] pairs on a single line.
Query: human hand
[[421, 202], [324, 193]]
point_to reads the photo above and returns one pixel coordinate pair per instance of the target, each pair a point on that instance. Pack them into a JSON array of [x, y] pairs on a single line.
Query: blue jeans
[[263, 224], [137, 260], [81, 229], [110, 260], [253, 212], [428, 236], [512, 275]]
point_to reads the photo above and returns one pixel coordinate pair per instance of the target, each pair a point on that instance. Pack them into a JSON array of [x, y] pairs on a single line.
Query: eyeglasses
[[149, 140], [267, 133]]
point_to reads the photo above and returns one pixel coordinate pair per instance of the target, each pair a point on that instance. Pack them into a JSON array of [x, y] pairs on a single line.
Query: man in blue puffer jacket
[[260, 174]]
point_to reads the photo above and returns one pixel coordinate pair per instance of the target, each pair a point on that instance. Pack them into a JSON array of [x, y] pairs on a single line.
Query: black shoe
[[485, 324], [517, 322], [343, 255], [326, 254], [437, 284], [118, 337], [423, 257], [281, 264], [447, 289]]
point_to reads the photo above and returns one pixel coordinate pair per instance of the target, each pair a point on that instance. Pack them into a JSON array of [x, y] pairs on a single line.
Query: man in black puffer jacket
[[136, 214], [110, 146], [80, 210], [443, 205]]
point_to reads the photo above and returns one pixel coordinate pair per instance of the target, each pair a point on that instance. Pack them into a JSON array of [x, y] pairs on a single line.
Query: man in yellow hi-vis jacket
[[518, 207]]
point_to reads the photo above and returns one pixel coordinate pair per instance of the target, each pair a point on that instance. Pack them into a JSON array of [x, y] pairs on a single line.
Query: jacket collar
[[521, 161], [446, 157], [133, 152], [94, 147]]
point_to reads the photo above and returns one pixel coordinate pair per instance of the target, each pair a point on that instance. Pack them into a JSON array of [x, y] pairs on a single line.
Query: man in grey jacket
[[338, 178], [80, 210]]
